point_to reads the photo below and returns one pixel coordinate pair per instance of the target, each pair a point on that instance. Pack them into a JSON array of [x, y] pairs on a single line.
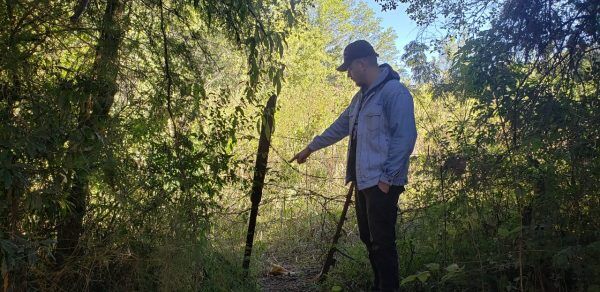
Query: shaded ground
[[301, 269], [302, 280]]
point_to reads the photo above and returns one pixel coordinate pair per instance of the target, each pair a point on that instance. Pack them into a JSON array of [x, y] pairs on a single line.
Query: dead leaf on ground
[[277, 270]]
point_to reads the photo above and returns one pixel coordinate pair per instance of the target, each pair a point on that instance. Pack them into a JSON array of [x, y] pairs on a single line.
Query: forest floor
[[295, 271], [301, 280]]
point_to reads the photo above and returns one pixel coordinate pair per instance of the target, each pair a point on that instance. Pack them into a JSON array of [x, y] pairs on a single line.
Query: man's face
[[356, 72]]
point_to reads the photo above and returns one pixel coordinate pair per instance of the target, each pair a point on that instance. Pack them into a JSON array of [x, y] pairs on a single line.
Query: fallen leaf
[[277, 270]]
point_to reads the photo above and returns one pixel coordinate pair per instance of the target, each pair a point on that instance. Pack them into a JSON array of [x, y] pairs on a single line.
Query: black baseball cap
[[356, 50]]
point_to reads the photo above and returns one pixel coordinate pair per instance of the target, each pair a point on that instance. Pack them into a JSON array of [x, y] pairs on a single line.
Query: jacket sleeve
[[399, 112], [336, 132]]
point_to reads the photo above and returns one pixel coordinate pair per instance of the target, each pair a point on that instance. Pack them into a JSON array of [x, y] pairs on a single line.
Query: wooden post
[[329, 261], [260, 170]]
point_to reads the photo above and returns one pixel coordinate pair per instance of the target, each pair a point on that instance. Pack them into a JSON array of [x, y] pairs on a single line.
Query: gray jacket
[[386, 132]]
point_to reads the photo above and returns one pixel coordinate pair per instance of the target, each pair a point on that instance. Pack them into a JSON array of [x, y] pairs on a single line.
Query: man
[[381, 124]]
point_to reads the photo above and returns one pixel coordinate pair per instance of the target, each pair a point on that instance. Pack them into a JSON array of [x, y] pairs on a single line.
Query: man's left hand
[[383, 187]]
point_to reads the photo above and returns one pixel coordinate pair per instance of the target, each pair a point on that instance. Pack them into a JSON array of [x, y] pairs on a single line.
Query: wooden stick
[[329, 260], [260, 170]]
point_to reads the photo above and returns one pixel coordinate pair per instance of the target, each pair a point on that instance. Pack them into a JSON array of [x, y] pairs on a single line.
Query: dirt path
[[300, 280], [290, 273]]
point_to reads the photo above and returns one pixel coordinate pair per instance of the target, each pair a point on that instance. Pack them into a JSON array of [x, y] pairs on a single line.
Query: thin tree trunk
[[260, 170]]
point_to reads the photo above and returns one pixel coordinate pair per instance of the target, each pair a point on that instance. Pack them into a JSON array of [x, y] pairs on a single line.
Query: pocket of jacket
[[373, 121]]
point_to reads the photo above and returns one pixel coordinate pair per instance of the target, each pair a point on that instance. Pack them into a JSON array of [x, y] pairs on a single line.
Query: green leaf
[[423, 276], [452, 268], [408, 279]]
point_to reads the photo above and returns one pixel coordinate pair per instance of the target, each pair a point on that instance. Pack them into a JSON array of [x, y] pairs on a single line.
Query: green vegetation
[[128, 131]]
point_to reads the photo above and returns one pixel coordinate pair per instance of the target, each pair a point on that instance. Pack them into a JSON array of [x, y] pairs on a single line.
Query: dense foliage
[[128, 130], [118, 123]]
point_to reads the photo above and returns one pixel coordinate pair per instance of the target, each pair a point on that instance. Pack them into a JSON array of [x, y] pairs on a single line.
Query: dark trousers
[[376, 213]]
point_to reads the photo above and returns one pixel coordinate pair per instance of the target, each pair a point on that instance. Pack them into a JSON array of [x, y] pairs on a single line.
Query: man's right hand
[[301, 156]]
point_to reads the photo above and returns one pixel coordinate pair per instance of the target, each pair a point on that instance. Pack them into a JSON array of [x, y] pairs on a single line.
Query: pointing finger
[[293, 158]]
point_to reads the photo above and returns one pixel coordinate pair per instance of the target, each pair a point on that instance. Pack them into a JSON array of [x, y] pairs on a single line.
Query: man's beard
[[360, 84]]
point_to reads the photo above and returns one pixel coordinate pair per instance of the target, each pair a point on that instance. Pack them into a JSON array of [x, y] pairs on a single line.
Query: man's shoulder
[[394, 88]]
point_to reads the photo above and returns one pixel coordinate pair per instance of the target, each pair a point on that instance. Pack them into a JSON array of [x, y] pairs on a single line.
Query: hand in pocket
[[385, 188]]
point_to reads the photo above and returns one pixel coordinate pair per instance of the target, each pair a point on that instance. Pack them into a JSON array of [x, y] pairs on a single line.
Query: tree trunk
[[260, 170], [92, 124]]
